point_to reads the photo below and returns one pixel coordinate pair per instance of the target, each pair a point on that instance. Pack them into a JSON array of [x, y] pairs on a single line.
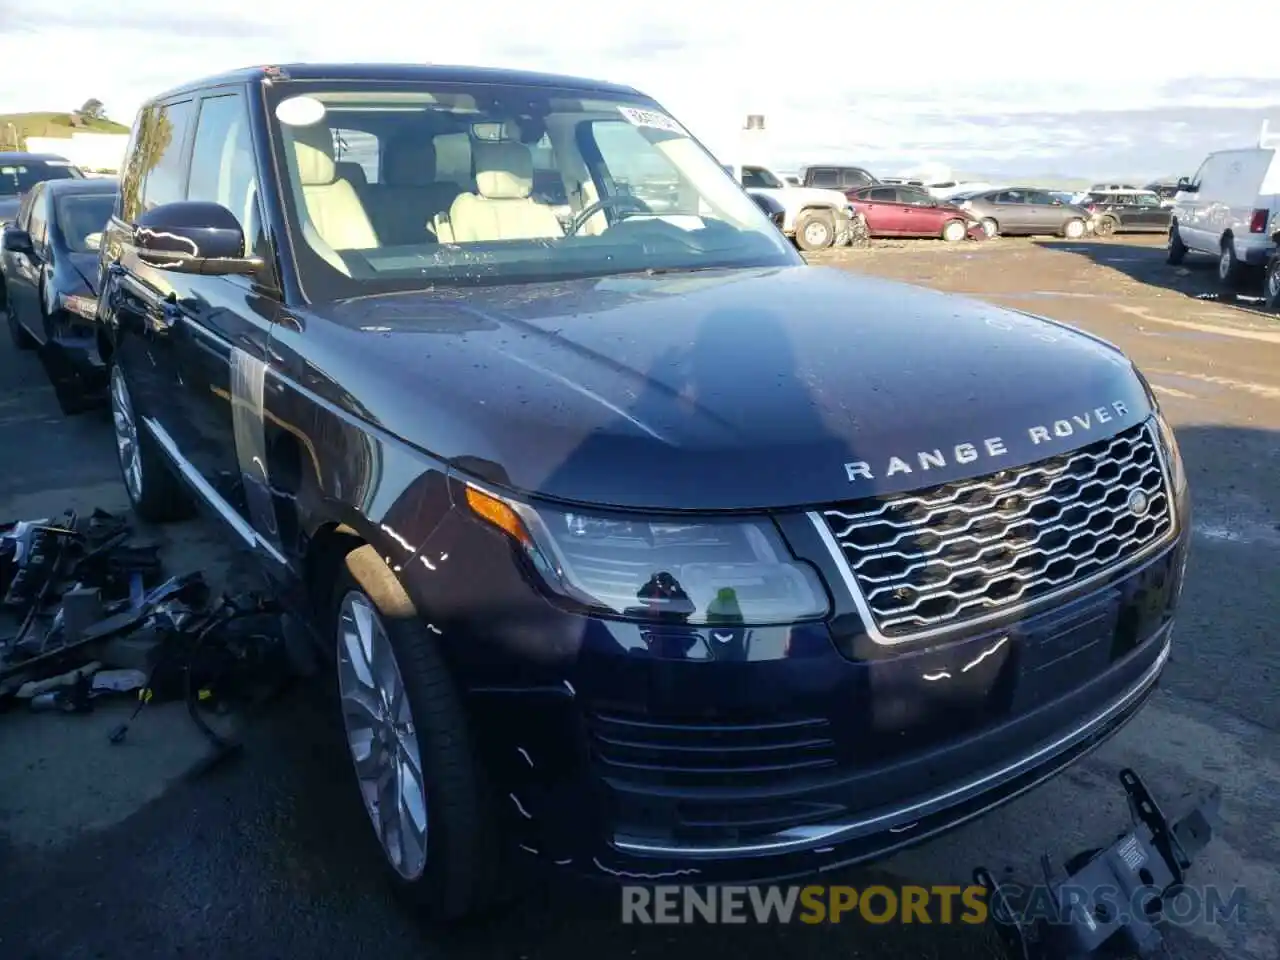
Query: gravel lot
[[267, 856]]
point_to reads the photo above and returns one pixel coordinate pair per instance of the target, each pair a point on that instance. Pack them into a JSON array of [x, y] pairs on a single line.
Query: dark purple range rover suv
[[639, 548]]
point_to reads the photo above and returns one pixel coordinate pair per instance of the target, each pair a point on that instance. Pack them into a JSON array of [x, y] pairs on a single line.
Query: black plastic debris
[[94, 616], [1105, 901]]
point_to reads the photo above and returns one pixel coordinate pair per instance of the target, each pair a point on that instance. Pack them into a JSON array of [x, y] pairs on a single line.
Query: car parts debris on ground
[[1107, 901], [96, 617]]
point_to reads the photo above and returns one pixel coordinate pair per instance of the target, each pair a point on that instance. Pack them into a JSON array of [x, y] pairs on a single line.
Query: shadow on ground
[[1196, 277]]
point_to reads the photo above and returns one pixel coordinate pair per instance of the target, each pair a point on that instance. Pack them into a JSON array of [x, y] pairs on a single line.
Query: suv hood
[[731, 389]]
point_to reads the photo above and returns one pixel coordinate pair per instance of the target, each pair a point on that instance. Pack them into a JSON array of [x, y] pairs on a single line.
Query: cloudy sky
[[1097, 88]]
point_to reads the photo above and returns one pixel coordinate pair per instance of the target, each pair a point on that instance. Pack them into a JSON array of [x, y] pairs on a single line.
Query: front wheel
[[156, 493], [410, 745], [1271, 286], [815, 230], [1106, 227], [1073, 229], [990, 228], [1177, 250], [954, 231]]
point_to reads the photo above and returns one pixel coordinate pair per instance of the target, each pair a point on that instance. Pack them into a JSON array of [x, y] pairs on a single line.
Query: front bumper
[[821, 758]]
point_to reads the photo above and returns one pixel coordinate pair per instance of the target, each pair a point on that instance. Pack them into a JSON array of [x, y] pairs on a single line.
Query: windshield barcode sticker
[[652, 119]]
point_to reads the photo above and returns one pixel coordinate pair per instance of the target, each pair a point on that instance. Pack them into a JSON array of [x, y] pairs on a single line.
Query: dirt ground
[[268, 856]]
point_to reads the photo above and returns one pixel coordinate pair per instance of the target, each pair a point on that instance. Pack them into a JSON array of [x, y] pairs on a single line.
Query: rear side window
[[359, 147], [1011, 196], [883, 194], [162, 150], [853, 178], [824, 177], [223, 170]]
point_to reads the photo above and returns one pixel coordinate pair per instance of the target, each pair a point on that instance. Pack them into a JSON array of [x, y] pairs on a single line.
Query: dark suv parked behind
[[639, 547]]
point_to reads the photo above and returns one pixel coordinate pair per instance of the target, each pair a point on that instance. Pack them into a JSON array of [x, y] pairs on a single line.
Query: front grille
[[636, 749], [940, 557]]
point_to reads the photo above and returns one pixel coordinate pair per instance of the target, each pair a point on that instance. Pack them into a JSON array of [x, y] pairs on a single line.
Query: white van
[[1225, 210]]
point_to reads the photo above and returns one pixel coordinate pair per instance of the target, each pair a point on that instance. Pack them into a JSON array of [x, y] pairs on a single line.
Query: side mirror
[[1186, 186], [771, 208], [16, 241], [193, 236]]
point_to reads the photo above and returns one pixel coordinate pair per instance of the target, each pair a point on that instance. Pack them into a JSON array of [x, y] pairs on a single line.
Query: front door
[[27, 268], [226, 323], [1045, 215], [885, 216]]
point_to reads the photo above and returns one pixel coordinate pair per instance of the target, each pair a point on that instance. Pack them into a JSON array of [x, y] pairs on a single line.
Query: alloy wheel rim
[[1224, 264], [1075, 228], [1273, 283], [955, 232], [381, 735], [126, 429], [988, 228]]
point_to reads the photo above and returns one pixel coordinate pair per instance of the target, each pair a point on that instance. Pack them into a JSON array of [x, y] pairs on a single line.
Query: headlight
[[1173, 456], [691, 571], [79, 304]]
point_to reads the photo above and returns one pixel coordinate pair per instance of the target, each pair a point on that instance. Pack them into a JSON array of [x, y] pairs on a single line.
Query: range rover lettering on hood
[[990, 447]]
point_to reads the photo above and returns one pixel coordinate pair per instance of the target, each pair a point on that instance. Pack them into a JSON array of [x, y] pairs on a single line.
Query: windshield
[[82, 217], [18, 178], [397, 186], [760, 178]]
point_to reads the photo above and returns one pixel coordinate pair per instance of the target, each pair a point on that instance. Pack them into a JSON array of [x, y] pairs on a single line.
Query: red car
[[904, 211]]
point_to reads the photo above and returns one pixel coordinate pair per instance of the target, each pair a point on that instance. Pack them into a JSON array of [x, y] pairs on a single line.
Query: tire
[[815, 230], [1073, 229], [1106, 227], [954, 231], [155, 491], [1176, 251], [1271, 285], [990, 228], [1230, 269], [450, 874]]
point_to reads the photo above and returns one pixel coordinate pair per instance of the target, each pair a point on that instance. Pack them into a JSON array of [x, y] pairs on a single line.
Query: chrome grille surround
[[933, 560]]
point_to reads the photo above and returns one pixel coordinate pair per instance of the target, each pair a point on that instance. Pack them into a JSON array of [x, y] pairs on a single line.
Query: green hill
[[23, 125]]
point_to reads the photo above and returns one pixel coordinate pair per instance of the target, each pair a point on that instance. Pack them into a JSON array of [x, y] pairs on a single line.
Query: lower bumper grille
[[962, 551], [638, 751]]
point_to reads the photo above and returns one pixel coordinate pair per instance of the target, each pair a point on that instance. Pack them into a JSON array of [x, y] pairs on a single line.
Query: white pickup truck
[[814, 218]]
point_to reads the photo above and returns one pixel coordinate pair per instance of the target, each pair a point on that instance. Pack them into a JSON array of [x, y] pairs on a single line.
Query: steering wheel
[[621, 202]]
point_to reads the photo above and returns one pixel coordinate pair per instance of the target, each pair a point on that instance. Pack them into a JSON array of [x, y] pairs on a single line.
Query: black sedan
[[1135, 211], [49, 278], [19, 172]]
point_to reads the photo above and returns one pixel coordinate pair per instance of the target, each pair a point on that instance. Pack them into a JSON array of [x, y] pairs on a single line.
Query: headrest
[[504, 170], [313, 149], [409, 162], [351, 172]]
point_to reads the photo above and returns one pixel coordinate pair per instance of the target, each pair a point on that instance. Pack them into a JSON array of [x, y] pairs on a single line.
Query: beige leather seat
[[353, 173], [501, 209], [333, 207], [409, 198]]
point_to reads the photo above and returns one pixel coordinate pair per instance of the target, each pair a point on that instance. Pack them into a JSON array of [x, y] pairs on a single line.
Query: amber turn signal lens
[[499, 514]]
